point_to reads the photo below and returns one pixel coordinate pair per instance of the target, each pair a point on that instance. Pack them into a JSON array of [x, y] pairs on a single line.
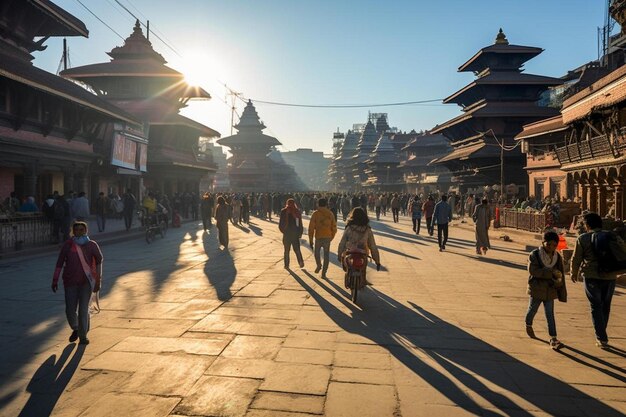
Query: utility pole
[[502, 172], [64, 54], [233, 99]]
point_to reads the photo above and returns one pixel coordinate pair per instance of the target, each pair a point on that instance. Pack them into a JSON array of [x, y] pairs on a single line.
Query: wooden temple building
[[366, 145], [341, 169], [163, 153], [51, 130], [382, 167], [495, 107], [250, 168], [419, 176]]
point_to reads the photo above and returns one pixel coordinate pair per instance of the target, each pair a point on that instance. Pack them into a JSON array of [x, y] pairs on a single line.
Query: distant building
[[419, 175], [382, 169], [251, 169], [311, 167], [219, 181]]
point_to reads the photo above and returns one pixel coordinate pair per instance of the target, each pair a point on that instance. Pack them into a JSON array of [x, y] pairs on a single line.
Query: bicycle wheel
[[163, 228], [354, 286], [149, 235]]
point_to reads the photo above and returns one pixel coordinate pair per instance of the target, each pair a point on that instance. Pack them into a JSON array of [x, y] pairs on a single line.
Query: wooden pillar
[[619, 200], [601, 202], [30, 180], [592, 197], [584, 196]]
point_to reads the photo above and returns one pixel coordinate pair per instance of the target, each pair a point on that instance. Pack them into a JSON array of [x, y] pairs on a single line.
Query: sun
[[199, 68]]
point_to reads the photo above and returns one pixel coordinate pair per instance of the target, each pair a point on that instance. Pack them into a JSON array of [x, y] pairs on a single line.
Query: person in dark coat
[[129, 201], [222, 216], [206, 210], [290, 225]]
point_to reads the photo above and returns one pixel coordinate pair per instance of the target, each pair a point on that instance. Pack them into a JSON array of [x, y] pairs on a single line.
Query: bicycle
[[155, 224]]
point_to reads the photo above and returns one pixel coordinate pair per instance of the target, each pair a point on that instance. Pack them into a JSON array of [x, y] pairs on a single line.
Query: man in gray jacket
[[441, 217]]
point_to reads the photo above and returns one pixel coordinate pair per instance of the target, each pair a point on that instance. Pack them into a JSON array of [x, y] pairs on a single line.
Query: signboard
[[124, 152], [143, 157]]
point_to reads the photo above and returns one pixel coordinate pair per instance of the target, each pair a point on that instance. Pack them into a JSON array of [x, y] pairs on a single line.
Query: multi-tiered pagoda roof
[[367, 143], [251, 169], [382, 166], [495, 105]]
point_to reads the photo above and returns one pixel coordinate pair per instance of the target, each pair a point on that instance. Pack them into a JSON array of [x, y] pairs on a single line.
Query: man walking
[[323, 228], [442, 216], [129, 201], [599, 285]]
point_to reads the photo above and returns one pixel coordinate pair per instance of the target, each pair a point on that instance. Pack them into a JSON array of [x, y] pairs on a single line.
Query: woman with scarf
[[222, 215], [545, 283], [81, 262], [290, 225]]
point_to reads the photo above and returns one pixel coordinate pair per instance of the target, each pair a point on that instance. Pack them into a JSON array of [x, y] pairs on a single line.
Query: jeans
[[128, 219], [322, 242], [288, 242], [430, 226], [442, 229], [377, 212], [77, 298], [548, 307], [396, 213], [102, 221], [417, 224], [599, 293]]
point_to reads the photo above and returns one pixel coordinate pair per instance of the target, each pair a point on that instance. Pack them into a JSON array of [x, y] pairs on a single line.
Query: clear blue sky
[[335, 52]]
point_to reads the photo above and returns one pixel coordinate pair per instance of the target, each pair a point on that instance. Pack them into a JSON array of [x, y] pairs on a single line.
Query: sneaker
[[440, 249], [555, 344], [602, 344], [73, 336], [83, 341], [318, 269], [324, 276], [530, 332]]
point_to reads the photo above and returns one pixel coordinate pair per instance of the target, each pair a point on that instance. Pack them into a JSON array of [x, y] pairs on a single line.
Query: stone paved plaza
[[187, 329]]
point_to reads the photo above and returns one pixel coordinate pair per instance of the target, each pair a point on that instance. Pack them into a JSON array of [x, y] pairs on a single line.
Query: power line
[[101, 21], [345, 106]]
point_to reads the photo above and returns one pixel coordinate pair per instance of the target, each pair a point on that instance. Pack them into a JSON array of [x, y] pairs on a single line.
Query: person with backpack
[[598, 255], [545, 284]]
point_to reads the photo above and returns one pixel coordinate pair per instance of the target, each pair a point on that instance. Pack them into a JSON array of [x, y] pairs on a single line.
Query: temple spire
[[501, 38]]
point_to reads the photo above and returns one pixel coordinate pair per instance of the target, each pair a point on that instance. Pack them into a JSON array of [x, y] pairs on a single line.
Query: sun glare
[[199, 69]]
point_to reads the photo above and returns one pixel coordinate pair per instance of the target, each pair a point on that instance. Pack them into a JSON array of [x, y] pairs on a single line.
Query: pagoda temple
[[365, 146], [420, 177], [50, 128], [382, 167], [343, 163], [251, 169], [165, 154], [495, 107]]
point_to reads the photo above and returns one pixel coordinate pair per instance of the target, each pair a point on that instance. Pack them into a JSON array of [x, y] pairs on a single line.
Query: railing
[[19, 231], [596, 147], [531, 222]]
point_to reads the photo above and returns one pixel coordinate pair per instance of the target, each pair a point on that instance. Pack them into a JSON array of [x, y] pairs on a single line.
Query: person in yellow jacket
[[322, 227]]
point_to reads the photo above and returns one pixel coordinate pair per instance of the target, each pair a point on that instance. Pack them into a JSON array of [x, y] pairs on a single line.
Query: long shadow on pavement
[[404, 332], [493, 261], [220, 267], [49, 381]]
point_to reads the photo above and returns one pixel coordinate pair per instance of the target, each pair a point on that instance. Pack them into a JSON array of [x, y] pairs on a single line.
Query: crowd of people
[[80, 259]]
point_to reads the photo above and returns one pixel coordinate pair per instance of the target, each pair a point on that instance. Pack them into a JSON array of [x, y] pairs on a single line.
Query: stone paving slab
[[189, 329]]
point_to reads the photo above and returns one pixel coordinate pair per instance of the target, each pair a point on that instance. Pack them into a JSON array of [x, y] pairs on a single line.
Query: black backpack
[[609, 251]]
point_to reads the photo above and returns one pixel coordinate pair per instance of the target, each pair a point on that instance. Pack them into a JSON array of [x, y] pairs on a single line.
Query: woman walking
[[222, 215], [81, 262], [545, 284], [482, 221], [290, 225], [358, 236]]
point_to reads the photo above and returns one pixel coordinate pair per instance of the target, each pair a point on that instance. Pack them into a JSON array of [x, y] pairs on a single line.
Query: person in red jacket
[[81, 262]]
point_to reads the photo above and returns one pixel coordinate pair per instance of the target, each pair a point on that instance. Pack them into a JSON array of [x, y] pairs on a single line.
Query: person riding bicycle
[[358, 236], [149, 205]]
